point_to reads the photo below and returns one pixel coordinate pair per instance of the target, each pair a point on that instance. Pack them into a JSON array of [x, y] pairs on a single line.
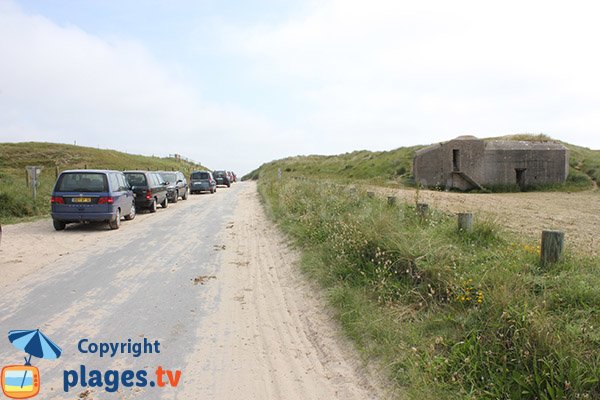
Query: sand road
[[210, 279]]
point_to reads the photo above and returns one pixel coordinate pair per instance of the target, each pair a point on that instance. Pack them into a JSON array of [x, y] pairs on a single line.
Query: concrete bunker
[[467, 163]]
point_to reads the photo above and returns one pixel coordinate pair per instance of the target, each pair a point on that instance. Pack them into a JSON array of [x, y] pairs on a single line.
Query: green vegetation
[[15, 196], [394, 168], [384, 167], [449, 315]]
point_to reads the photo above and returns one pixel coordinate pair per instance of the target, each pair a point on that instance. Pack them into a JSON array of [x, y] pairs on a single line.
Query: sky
[[234, 84]]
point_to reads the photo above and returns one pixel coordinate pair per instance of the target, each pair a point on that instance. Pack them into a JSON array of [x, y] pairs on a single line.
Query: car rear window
[[200, 175], [169, 176], [136, 179], [219, 173], [82, 182]]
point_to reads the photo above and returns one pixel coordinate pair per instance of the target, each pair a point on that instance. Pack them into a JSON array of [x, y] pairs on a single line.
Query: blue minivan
[[91, 196]]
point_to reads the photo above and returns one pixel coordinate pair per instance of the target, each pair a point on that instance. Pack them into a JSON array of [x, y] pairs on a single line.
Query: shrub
[[451, 315]]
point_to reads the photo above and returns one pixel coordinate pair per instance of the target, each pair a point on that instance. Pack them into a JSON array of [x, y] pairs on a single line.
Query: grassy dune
[[394, 168], [384, 167], [446, 314], [15, 198]]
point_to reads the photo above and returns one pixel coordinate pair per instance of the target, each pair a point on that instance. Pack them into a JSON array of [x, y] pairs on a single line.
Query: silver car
[[202, 181]]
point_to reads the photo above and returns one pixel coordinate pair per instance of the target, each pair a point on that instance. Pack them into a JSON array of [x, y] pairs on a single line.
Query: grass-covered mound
[[449, 315], [16, 200], [394, 168]]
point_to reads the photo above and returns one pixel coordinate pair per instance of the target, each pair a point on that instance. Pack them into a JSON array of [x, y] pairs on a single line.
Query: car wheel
[[153, 206], [165, 203], [59, 225], [185, 195], [116, 223], [229, 185], [131, 214], [176, 197]]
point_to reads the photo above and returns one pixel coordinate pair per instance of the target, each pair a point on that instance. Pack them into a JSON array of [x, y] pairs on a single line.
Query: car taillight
[[106, 200], [57, 200], [148, 194]]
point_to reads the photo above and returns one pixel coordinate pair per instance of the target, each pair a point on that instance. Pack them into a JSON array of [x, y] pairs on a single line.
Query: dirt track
[[271, 338], [222, 293], [577, 214]]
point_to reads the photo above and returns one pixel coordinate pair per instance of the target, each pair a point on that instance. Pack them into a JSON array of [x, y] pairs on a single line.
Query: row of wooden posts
[[552, 243]]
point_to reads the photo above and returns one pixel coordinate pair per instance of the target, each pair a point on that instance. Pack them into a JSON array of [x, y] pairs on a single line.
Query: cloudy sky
[[233, 84]]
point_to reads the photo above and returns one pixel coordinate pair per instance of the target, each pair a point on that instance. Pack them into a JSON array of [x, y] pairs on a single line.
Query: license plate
[[82, 199]]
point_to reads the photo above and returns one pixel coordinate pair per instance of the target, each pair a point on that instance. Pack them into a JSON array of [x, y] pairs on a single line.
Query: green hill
[[444, 313], [394, 167], [381, 167], [15, 196]]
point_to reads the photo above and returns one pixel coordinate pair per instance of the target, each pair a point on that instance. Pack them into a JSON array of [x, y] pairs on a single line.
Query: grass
[[16, 198], [394, 168], [450, 315], [385, 167]]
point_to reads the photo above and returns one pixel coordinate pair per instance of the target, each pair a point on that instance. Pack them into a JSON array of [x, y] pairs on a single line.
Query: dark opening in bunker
[[520, 174], [456, 160]]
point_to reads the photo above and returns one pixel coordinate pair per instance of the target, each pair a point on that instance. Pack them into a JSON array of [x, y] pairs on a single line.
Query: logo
[[113, 380], [20, 382], [23, 381]]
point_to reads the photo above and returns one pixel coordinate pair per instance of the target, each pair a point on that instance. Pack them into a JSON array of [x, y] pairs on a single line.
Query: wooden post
[[423, 210], [371, 194], [27, 178], [465, 222], [553, 243], [392, 200], [56, 172]]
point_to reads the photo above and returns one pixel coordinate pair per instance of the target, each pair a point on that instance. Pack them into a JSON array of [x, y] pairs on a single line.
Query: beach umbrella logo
[[23, 381]]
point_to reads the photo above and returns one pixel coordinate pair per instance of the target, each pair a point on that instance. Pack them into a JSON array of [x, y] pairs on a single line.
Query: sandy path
[[251, 328], [28, 248], [271, 337], [577, 214]]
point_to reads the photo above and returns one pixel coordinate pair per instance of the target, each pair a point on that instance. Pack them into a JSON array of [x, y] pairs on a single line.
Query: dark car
[[222, 178], [149, 189], [202, 181], [177, 185], [91, 195]]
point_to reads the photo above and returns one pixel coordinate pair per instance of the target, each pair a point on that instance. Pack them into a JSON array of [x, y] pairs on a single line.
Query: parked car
[[149, 189], [91, 195], [222, 178], [177, 185], [202, 181]]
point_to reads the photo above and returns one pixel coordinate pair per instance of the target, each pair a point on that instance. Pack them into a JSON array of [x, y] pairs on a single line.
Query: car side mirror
[[179, 181], [165, 183]]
